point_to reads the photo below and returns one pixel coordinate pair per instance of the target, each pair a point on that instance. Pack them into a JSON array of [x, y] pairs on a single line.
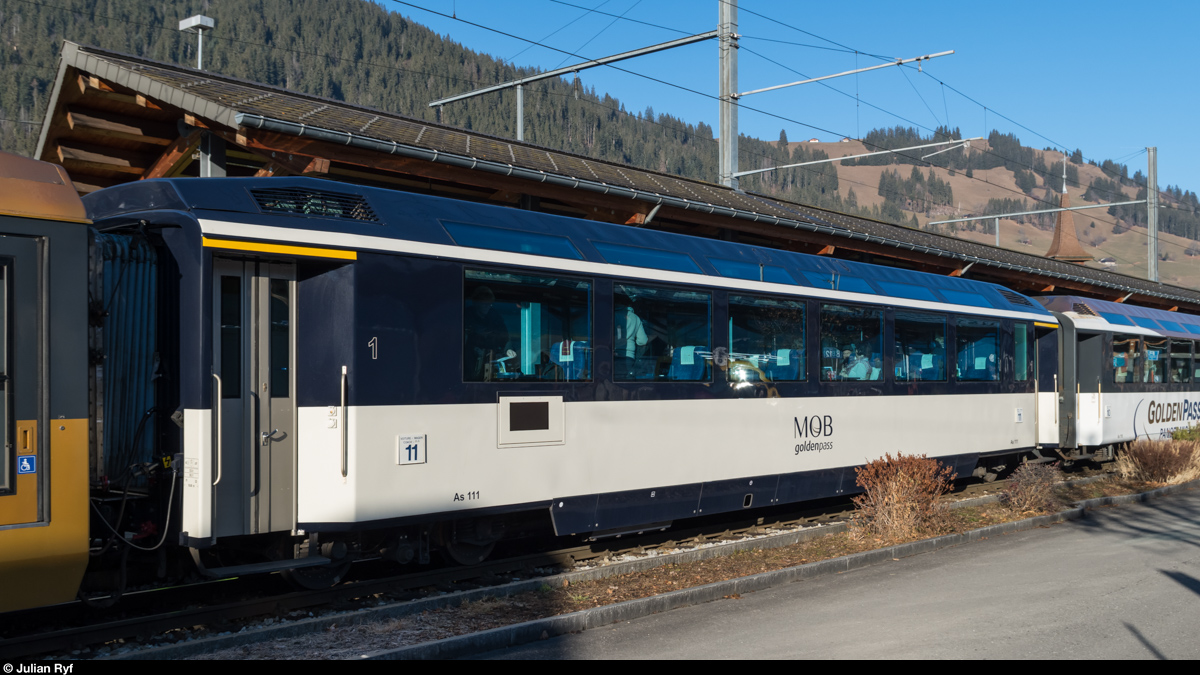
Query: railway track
[[146, 614]]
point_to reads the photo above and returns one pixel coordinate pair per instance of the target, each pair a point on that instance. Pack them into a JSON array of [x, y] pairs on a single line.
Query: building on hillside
[[1066, 246]]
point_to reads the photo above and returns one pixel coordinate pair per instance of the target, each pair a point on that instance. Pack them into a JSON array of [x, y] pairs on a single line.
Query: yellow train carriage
[[43, 385]]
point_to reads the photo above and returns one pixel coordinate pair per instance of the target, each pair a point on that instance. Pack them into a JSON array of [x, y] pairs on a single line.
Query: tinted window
[[964, 298], [1021, 339], [977, 344], [738, 269], [231, 337], [838, 282], [1156, 360], [1125, 358], [518, 327], [766, 339], [920, 347], [906, 291], [637, 256], [281, 342], [1117, 319], [499, 239], [661, 334], [1146, 323], [851, 343], [1181, 361]]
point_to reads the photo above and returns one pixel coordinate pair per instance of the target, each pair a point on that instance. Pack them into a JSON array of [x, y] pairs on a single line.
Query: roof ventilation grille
[[1083, 310], [316, 203], [1015, 298]]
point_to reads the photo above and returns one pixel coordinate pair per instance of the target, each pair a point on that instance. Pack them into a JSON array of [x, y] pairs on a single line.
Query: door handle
[[266, 435]]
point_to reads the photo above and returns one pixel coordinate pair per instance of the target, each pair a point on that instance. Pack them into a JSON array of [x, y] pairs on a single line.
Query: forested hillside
[[358, 51]]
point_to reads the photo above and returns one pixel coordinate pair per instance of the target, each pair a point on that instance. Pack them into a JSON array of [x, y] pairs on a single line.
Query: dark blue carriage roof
[[1174, 324], [312, 204]]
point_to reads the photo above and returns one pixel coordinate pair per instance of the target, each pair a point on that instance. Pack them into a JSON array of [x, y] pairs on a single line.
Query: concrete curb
[[516, 634]]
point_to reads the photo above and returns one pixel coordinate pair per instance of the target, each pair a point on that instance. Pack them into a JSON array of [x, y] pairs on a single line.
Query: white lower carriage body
[[1120, 417], [406, 462]]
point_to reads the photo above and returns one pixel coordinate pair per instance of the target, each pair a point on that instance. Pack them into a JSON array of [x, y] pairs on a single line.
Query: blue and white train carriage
[[346, 359]]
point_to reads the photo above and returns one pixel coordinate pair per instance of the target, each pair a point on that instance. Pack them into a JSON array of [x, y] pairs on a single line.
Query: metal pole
[[199, 50], [728, 131], [1152, 213], [897, 62], [520, 112], [997, 233]]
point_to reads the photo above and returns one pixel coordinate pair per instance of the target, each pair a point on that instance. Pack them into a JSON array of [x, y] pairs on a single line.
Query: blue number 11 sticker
[[410, 449]]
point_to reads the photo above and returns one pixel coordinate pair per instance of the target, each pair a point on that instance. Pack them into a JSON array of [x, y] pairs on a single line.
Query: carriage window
[[1181, 361], [766, 339], [1125, 358], [1196, 362], [920, 347], [661, 334], [231, 337], [1021, 349], [280, 338], [1156, 360], [976, 344], [851, 343], [526, 328]]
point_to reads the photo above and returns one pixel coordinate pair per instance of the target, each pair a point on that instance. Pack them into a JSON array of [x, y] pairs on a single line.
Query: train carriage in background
[[1128, 372], [44, 422], [290, 374]]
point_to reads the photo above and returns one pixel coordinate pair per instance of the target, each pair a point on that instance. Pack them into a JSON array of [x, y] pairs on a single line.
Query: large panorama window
[[526, 328], [661, 334], [920, 347], [1125, 358], [978, 341], [766, 339], [1154, 371], [1181, 361], [851, 343]]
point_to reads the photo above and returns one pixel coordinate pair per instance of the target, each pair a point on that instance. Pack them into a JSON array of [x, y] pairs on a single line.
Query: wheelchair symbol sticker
[[26, 464]]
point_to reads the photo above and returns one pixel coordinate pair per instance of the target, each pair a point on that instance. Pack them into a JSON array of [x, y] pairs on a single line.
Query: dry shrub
[[1031, 488], [900, 496], [1160, 461]]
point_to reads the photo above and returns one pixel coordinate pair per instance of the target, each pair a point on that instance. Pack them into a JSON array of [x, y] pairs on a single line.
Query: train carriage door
[[1046, 418], [23, 465], [1068, 400], [254, 355], [1089, 356]]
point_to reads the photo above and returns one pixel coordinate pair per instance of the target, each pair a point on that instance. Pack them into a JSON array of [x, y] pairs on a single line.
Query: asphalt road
[[1124, 583]]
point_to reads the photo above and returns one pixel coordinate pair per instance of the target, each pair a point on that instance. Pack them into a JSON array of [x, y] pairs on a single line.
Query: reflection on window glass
[[660, 334], [1125, 358], [977, 342], [1181, 361], [851, 343], [1196, 362], [1021, 360], [766, 338], [231, 337], [280, 340], [920, 347], [1156, 360], [526, 328], [838, 282]]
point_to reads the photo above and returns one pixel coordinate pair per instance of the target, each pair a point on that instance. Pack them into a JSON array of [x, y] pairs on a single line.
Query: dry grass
[[1031, 489], [900, 497], [1165, 462]]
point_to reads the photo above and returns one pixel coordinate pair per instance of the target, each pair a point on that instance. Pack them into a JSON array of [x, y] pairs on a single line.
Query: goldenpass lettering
[[1179, 411]]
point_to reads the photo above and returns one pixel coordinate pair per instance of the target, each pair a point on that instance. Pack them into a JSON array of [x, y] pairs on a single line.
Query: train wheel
[[468, 554]]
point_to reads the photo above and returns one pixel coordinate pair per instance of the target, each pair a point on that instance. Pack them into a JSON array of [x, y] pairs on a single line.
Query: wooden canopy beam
[[101, 126], [175, 157]]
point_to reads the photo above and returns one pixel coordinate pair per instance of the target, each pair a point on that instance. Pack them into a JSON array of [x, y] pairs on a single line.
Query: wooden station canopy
[[116, 118]]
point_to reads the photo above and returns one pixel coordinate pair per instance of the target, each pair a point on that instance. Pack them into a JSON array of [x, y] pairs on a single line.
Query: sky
[[1108, 78]]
